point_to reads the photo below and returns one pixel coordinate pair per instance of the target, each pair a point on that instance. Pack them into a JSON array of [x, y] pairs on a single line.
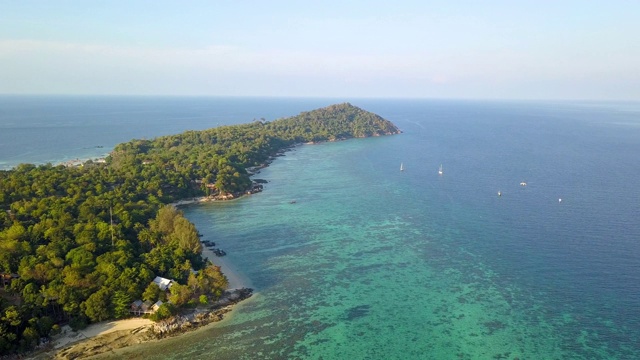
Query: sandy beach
[[111, 335], [191, 201], [116, 334], [69, 336]]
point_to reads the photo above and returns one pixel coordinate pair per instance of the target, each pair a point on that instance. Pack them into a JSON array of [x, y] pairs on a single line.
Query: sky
[[489, 49]]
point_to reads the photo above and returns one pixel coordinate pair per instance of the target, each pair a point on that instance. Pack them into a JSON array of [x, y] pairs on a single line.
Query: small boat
[[499, 193], [401, 167], [440, 171], [523, 184]]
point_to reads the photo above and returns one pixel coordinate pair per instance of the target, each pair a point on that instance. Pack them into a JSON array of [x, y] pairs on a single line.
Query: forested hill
[[79, 244], [342, 121], [221, 155]]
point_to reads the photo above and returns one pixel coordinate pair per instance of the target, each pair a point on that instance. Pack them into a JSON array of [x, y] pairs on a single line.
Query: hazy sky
[[561, 49]]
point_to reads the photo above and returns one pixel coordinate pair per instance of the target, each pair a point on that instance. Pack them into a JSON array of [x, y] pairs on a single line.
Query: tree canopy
[[83, 242]]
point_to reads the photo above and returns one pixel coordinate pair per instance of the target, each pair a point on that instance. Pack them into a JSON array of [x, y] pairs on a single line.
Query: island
[[104, 240]]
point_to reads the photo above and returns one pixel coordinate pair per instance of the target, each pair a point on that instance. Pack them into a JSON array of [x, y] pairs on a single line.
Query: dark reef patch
[[357, 312]]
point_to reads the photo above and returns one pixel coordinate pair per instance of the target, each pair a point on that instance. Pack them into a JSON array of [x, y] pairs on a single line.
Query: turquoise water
[[374, 263]]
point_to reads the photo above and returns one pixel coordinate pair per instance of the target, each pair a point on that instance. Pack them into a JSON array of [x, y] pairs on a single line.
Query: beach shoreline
[[134, 331], [236, 279], [69, 337], [108, 336], [186, 336], [112, 335]]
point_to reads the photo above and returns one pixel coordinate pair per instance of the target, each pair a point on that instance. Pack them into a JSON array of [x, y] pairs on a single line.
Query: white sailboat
[[401, 167], [440, 172]]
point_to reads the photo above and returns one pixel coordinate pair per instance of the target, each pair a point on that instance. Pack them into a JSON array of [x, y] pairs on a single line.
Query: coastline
[[236, 279], [106, 337], [98, 346], [69, 337], [100, 338], [134, 350], [189, 318]]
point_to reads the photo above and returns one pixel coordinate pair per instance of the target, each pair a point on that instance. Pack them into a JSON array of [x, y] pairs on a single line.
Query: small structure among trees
[[157, 289], [163, 283], [156, 306], [138, 307]]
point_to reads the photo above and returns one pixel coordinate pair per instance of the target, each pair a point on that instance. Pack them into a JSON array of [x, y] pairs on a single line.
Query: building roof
[[163, 283], [157, 305]]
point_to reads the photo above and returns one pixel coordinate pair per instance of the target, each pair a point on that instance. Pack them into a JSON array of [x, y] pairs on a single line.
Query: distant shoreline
[[77, 161]]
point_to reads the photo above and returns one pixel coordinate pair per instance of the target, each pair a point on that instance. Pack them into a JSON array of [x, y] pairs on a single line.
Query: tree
[[7, 340], [121, 303], [164, 311], [152, 293], [30, 338], [180, 294], [212, 280], [80, 259], [12, 317], [230, 179], [203, 299], [31, 294], [75, 261], [186, 235], [44, 325], [163, 223], [96, 307]]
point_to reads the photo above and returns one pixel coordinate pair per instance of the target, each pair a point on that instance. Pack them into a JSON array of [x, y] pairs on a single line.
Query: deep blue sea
[[371, 262]]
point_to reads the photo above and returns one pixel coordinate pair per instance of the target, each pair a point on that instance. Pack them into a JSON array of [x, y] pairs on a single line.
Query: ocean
[[60, 129], [370, 262]]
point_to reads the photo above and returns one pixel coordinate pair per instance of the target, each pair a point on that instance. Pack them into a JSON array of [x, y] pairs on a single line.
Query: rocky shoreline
[[175, 326], [256, 186], [182, 323]]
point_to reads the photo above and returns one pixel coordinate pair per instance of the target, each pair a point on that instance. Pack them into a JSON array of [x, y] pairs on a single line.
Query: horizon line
[[319, 97]]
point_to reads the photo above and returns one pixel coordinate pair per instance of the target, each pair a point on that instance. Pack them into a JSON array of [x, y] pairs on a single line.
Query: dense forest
[[79, 244]]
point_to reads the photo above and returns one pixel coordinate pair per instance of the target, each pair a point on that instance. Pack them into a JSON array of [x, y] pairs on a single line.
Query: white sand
[[190, 201], [69, 336]]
